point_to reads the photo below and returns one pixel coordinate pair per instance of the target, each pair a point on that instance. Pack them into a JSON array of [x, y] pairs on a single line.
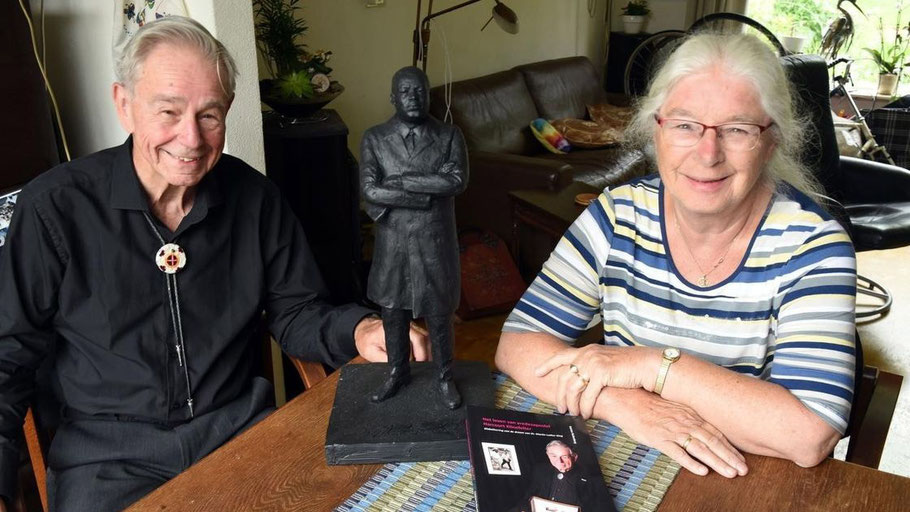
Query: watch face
[[671, 353]]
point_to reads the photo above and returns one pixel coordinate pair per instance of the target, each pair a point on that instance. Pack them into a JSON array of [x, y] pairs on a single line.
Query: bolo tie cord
[[176, 321]]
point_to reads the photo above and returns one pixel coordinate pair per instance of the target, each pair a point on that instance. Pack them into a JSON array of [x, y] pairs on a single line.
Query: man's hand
[[369, 337]]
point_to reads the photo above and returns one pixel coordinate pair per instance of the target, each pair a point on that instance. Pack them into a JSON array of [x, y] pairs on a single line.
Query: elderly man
[[411, 168], [149, 265], [562, 481]]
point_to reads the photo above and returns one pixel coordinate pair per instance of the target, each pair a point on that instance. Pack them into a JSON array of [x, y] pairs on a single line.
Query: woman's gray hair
[[177, 31], [748, 57]]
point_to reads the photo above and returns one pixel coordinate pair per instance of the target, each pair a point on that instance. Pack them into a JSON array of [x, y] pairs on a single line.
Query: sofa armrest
[[865, 181], [515, 172]]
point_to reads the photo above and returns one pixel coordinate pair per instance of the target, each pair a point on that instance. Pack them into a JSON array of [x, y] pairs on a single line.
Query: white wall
[[370, 44], [231, 21], [80, 69]]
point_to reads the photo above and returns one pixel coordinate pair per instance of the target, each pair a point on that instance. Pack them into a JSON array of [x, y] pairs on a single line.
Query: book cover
[[526, 462]]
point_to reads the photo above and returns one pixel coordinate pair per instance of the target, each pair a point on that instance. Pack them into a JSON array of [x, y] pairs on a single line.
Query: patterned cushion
[[587, 134], [549, 137], [7, 202], [610, 116]]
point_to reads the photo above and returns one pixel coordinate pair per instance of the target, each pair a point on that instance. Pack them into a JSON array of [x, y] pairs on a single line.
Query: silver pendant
[[170, 258], [703, 281]]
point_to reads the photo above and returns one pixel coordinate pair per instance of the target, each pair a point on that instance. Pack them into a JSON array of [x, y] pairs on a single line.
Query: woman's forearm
[[755, 415]]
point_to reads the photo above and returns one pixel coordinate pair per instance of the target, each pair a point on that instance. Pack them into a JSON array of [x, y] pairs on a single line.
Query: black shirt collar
[[127, 192]]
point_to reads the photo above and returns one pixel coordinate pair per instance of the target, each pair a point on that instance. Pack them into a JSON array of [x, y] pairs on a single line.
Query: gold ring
[[573, 368], [685, 444]]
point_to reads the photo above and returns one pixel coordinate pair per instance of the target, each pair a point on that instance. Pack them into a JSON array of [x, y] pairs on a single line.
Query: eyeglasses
[[684, 133]]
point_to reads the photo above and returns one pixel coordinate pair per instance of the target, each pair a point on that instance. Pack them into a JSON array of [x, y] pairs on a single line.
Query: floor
[[886, 344]]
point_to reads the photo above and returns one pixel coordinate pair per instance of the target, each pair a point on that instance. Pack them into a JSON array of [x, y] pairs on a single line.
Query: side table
[[539, 219]]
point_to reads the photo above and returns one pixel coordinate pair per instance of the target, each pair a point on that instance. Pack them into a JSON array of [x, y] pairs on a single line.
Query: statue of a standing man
[[411, 168]]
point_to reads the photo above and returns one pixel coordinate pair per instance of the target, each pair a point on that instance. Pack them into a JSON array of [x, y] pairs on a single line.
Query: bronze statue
[[411, 168]]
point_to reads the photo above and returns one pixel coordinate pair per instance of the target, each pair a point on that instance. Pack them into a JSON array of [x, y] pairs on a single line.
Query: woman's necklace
[[703, 280]]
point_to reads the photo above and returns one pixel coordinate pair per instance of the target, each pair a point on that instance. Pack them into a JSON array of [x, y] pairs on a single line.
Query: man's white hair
[[177, 31]]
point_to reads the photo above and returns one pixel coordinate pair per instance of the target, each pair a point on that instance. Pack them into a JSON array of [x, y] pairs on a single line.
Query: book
[[527, 462]]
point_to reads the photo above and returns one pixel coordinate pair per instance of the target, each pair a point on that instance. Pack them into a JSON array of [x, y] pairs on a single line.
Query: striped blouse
[[786, 315]]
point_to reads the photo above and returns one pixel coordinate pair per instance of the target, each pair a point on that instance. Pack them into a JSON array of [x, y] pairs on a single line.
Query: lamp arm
[[422, 37]]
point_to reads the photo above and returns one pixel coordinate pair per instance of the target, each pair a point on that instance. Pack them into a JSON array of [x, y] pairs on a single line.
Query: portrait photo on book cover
[[501, 459], [527, 462]]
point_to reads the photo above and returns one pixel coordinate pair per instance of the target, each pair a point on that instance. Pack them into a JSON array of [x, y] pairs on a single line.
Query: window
[[811, 18]]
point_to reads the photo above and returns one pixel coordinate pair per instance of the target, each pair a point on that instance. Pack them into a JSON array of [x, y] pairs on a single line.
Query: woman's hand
[[679, 432], [585, 371]]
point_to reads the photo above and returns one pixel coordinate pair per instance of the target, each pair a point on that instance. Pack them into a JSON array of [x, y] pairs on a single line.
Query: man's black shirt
[[78, 271]]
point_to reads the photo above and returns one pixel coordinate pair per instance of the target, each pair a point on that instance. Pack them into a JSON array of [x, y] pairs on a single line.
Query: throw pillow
[[587, 134], [610, 116], [549, 137]]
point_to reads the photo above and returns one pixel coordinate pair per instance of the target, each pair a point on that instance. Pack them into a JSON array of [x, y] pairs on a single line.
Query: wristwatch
[[671, 355]]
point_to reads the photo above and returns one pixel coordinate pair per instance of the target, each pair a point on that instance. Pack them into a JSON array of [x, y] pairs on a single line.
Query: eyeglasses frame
[[761, 129]]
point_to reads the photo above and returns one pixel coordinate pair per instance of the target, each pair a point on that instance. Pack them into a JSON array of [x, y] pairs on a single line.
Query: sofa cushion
[[549, 137], [587, 134], [493, 112], [562, 88]]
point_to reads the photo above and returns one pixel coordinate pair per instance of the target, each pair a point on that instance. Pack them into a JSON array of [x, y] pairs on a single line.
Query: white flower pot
[[887, 84], [633, 24], [793, 44]]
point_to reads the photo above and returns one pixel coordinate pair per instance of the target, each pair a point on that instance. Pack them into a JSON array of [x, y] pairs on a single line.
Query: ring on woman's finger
[[685, 444], [585, 379], [573, 368]]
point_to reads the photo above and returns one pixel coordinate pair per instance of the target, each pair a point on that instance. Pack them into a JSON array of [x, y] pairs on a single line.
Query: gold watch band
[[670, 356]]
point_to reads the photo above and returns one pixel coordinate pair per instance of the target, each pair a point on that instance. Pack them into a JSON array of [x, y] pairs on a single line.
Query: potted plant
[[891, 56], [801, 21], [299, 83], [634, 15]]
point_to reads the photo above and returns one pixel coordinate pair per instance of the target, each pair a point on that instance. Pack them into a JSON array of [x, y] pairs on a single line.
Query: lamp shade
[[505, 18]]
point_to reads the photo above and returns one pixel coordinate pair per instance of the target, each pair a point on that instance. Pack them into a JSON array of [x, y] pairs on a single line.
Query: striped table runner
[[637, 476]]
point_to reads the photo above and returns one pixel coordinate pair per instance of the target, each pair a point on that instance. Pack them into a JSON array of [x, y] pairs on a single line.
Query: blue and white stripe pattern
[[786, 315]]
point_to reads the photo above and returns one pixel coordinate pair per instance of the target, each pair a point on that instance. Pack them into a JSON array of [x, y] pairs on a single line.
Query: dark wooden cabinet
[[621, 47], [311, 164]]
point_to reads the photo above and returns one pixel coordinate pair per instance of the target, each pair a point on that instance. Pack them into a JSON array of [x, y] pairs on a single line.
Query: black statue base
[[412, 426]]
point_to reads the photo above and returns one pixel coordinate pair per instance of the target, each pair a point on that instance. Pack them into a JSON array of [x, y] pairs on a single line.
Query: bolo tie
[[170, 258]]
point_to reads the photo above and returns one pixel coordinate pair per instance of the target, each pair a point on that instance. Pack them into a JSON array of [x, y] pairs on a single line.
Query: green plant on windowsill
[[636, 8], [299, 83], [891, 56]]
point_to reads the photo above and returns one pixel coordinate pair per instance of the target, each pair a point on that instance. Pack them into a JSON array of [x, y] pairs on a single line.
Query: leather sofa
[[494, 112]]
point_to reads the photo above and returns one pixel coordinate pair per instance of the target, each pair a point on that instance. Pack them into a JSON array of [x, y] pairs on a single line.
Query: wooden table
[[279, 465]]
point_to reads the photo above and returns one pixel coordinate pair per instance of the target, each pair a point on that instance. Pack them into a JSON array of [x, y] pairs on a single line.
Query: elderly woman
[[726, 294]]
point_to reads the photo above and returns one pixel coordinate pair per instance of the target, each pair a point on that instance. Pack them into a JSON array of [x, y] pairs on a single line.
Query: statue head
[[411, 95]]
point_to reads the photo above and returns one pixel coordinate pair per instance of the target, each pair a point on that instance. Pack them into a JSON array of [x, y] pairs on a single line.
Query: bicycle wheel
[[646, 58], [732, 23]]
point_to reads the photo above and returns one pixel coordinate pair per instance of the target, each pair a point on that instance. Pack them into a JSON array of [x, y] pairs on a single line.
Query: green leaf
[[295, 85]]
